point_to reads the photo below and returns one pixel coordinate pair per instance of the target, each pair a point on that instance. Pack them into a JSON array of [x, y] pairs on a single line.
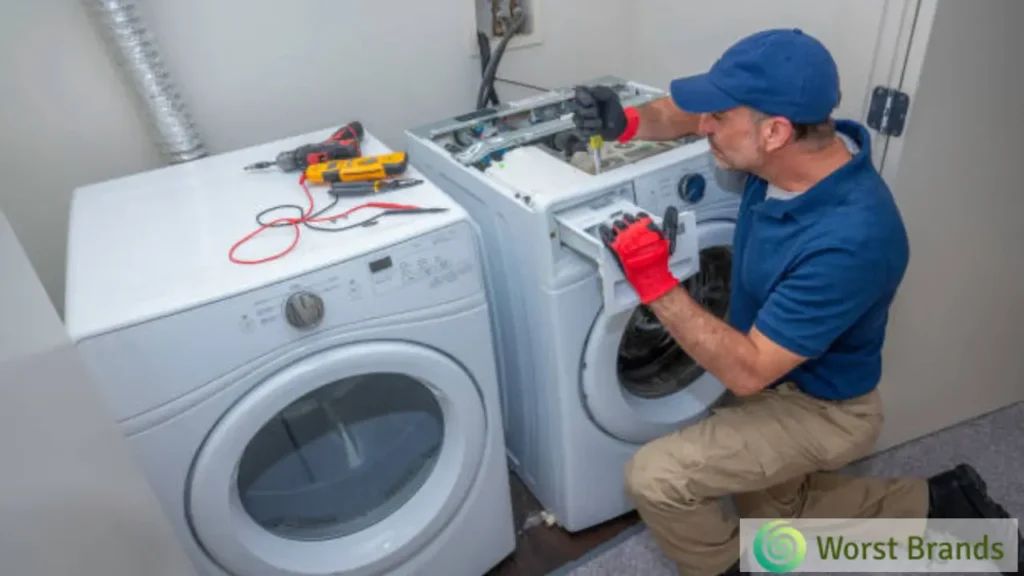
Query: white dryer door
[[344, 463], [637, 383]]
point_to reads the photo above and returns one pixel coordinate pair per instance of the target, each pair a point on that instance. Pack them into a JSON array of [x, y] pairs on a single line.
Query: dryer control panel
[[416, 275]]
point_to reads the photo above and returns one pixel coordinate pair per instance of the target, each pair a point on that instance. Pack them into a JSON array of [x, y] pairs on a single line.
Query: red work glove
[[642, 250]]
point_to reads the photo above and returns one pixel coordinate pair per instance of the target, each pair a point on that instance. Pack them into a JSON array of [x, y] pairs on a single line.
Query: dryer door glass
[[342, 457], [327, 465]]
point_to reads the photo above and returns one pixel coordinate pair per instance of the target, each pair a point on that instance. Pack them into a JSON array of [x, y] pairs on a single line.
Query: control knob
[[691, 188], [304, 310]]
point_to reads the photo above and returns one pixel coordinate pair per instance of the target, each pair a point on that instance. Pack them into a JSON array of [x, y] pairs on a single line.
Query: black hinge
[[888, 110]]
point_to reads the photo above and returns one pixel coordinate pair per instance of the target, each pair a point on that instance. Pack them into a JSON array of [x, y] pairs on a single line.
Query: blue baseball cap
[[781, 72]]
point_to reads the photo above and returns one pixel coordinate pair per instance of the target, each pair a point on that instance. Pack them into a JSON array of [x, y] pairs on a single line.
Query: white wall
[[675, 38], [250, 72], [66, 120], [281, 71]]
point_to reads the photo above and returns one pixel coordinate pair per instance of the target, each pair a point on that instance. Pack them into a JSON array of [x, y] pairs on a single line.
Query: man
[[819, 252]]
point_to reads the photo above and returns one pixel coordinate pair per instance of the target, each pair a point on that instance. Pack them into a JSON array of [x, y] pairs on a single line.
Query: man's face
[[737, 139]]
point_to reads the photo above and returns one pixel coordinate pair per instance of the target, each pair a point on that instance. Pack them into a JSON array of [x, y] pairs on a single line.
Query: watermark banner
[[878, 545]]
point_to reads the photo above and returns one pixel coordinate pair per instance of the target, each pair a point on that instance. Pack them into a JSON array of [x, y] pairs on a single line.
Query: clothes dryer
[[334, 411], [588, 374]]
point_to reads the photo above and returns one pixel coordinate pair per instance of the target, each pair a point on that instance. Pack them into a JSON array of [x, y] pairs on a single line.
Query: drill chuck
[[289, 161]]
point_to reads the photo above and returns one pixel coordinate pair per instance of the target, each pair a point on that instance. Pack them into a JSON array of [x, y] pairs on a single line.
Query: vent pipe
[[134, 50]]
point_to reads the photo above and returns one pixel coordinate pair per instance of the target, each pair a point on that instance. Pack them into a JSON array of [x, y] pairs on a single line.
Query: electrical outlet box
[[488, 21]]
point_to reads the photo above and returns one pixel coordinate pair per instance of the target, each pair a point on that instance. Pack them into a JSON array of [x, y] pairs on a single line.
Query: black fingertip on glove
[[608, 234], [671, 223], [669, 228]]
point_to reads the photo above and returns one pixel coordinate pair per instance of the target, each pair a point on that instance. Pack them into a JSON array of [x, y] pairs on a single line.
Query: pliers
[[366, 188]]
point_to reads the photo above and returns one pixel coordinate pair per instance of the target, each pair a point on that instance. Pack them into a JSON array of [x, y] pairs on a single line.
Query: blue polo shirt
[[816, 273]]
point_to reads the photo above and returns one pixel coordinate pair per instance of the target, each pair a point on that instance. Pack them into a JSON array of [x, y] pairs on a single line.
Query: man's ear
[[775, 132]]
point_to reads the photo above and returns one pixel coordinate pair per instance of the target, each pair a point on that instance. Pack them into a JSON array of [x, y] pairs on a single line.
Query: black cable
[[523, 84], [485, 58], [367, 222], [300, 209], [492, 66]]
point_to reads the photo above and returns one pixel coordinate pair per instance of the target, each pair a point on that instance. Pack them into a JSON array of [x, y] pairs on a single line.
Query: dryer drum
[[650, 363]]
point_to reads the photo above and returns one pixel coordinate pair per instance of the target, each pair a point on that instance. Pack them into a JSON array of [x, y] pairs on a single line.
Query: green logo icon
[[779, 547]]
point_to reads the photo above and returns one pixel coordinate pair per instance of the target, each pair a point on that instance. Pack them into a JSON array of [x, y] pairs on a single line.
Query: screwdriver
[[596, 142], [370, 187], [342, 145]]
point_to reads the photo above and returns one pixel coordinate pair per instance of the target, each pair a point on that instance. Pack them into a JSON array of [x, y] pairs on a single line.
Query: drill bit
[[259, 165], [596, 142]]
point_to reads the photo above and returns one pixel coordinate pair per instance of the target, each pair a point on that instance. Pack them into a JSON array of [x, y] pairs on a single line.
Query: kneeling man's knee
[[653, 476]]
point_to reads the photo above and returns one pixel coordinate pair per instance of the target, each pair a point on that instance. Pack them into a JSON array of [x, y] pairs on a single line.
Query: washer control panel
[[691, 187], [687, 184]]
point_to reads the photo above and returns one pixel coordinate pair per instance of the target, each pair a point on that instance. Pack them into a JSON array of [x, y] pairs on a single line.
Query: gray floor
[[992, 444]]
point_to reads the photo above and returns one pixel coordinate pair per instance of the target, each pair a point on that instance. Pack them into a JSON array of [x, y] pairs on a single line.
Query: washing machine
[[322, 403], [588, 374]]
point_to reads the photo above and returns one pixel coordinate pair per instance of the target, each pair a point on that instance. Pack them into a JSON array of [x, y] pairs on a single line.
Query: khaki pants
[[776, 454]]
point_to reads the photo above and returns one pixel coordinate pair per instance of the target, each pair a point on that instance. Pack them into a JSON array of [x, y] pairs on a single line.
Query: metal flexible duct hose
[[135, 51]]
